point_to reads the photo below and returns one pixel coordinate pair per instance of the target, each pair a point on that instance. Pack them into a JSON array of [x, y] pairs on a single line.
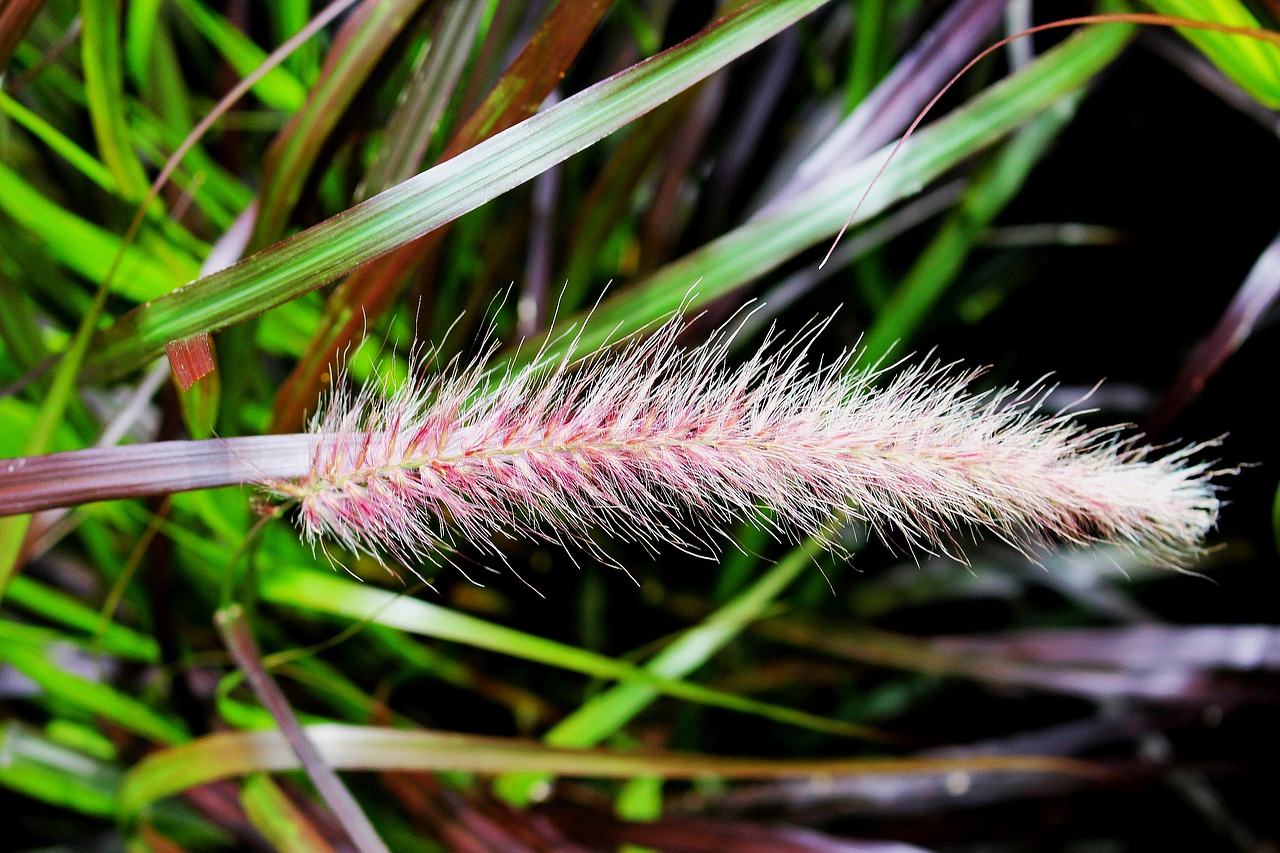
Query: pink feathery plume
[[653, 443]]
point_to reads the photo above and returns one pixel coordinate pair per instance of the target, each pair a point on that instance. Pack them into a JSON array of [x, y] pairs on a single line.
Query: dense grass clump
[[497, 255]]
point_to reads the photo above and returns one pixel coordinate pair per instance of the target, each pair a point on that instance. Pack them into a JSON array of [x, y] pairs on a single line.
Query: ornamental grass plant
[[417, 434]]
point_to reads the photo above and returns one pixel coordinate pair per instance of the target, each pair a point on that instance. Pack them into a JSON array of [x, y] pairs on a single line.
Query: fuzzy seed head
[[653, 443]]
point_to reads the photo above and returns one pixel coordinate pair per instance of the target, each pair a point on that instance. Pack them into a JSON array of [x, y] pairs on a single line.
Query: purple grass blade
[[915, 794], [1197, 66], [531, 307], [892, 105], [796, 286], [731, 171], [1171, 684], [243, 648], [33, 483], [1254, 298], [1143, 647]]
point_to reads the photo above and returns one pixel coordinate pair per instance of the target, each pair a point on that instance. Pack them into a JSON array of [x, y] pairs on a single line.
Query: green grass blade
[[81, 737], [763, 244], [142, 19], [86, 248], [104, 88], [417, 117], [1275, 518], [57, 606], [83, 162], [278, 88], [155, 68], [50, 772], [280, 821], [289, 17], [360, 46], [37, 663], [427, 201], [1253, 64], [215, 179], [227, 754], [13, 529], [608, 712], [870, 29], [325, 593], [18, 327], [943, 258]]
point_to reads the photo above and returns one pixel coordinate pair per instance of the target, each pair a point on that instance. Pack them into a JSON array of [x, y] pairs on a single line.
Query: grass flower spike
[[651, 442]]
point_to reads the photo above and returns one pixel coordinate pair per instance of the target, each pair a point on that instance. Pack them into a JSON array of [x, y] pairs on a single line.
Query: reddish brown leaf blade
[[610, 196], [362, 298], [372, 288], [892, 105], [238, 637], [473, 821], [191, 360], [534, 73], [15, 17]]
